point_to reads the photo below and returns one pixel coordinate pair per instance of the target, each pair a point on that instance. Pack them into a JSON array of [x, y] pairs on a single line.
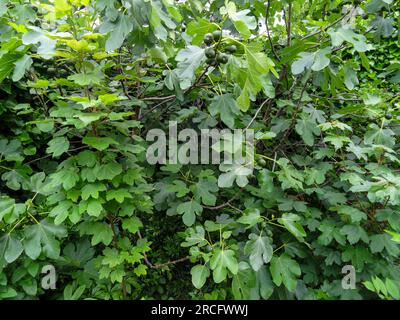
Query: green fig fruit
[[222, 58], [231, 49], [217, 35], [210, 53], [208, 38]]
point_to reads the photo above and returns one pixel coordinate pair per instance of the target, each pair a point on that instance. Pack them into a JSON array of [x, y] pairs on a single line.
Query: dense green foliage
[[82, 82]]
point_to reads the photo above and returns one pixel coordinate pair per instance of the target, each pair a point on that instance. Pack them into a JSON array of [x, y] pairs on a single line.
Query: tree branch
[[268, 32], [294, 117], [161, 265], [226, 204]]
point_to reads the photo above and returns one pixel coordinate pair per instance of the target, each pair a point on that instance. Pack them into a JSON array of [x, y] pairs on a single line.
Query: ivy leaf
[[221, 262], [58, 146], [259, 250], [224, 106], [189, 210], [199, 273], [286, 270]]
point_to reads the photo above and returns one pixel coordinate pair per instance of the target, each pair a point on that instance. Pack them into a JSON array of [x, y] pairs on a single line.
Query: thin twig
[[49, 155], [158, 98], [328, 26], [121, 72], [226, 204], [173, 96], [162, 265], [256, 114], [268, 33], [294, 117], [289, 25]]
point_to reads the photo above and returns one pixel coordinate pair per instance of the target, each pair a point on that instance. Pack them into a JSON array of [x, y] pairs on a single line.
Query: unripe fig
[[231, 49], [208, 38], [211, 61], [210, 53], [261, 162], [51, 70], [222, 58], [217, 35]]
